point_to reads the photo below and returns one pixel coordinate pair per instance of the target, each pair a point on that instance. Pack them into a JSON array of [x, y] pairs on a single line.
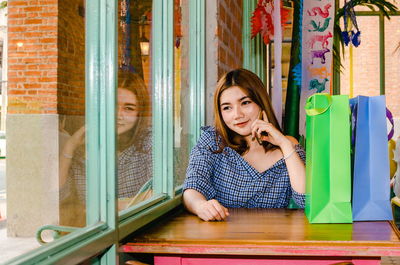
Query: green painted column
[[291, 121]]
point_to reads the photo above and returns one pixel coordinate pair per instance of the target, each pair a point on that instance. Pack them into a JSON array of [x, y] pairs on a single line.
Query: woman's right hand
[[211, 210], [77, 139]]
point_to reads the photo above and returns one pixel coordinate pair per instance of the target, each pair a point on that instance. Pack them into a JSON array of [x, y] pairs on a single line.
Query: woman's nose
[[119, 112], [238, 112]]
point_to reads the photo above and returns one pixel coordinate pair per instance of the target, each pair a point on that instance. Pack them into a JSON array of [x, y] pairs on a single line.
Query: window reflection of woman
[[133, 145]]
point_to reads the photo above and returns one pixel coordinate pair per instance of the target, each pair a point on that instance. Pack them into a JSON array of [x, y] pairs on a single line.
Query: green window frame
[[105, 226], [254, 50]]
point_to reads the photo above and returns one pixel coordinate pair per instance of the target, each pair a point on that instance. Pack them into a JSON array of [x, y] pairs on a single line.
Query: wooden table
[[265, 236]]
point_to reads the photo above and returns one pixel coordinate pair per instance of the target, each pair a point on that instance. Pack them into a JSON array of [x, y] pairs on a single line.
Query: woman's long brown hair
[[254, 88], [134, 83]]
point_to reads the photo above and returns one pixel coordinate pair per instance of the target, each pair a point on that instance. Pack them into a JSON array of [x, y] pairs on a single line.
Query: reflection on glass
[[134, 140], [181, 93], [71, 97], [72, 171], [134, 150], [134, 162]]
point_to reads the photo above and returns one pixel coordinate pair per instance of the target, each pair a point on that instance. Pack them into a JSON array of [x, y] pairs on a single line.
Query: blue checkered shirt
[[229, 179], [134, 170]]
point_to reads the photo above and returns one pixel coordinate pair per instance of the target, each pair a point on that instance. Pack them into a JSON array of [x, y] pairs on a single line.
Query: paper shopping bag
[[328, 175], [371, 174]]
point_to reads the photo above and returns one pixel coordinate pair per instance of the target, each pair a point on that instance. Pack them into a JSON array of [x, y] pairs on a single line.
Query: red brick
[[48, 40], [33, 8], [16, 92], [12, 16], [18, 3], [32, 85], [33, 21]]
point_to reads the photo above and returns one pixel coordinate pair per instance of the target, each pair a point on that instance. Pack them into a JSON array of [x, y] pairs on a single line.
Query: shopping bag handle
[[390, 118], [317, 111]]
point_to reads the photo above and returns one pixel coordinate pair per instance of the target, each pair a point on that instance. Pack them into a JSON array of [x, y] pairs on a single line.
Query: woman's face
[[238, 110], [127, 112]]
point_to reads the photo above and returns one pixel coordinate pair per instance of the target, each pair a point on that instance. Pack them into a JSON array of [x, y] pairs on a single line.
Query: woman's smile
[[242, 124]]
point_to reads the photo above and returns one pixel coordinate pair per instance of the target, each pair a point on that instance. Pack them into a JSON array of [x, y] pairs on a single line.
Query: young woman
[[134, 145], [245, 160]]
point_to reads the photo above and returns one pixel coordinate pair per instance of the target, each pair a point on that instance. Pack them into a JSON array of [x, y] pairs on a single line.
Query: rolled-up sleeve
[[199, 172]]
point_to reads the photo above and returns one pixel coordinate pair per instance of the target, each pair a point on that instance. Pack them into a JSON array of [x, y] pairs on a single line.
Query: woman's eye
[[130, 109], [246, 102], [226, 108]]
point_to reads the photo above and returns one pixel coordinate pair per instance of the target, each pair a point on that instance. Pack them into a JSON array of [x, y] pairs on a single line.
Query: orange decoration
[[261, 21]]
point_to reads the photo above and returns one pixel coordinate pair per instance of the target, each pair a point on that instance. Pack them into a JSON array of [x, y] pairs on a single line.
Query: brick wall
[[71, 57], [392, 66], [229, 34], [32, 56]]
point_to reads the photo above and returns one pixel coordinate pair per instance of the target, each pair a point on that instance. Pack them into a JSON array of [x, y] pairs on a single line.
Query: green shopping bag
[[328, 175]]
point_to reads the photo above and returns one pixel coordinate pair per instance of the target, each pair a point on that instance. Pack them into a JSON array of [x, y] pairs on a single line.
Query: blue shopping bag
[[371, 181]]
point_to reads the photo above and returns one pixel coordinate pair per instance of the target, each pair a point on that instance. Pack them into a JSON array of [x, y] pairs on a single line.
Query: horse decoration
[[321, 38], [319, 54]]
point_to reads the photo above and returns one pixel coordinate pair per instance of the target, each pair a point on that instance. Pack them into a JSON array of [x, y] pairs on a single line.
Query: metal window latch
[[58, 231]]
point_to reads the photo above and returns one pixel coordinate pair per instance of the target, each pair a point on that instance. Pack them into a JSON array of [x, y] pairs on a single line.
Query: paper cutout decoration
[[262, 20], [349, 17]]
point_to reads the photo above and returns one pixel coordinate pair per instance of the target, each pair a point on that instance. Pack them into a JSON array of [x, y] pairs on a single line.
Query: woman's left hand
[[266, 131]]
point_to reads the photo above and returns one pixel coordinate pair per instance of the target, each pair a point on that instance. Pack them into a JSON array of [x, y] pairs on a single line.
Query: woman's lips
[[242, 124]]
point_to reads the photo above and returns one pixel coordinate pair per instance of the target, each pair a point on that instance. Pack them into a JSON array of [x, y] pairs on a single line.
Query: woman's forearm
[[65, 160], [191, 199], [295, 167]]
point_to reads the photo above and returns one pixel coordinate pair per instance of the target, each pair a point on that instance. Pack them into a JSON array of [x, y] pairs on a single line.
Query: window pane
[[365, 61], [72, 122], [45, 159], [134, 118], [392, 66], [182, 96], [285, 59]]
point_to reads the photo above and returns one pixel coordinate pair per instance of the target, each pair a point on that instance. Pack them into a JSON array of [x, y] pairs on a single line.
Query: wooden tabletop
[[266, 232]]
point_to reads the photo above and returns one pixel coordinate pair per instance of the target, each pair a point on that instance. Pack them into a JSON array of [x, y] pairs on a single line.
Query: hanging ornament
[[351, 33], [178, 23], [261, 21], [125, 14]]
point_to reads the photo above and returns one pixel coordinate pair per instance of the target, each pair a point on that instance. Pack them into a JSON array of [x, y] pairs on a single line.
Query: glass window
[[182, 108], [46, 124], [72, 124], [133, 107], [72, 146]]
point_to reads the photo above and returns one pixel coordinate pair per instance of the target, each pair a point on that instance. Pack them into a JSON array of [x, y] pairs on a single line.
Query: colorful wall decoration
[[317, 42], [268, 21]]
